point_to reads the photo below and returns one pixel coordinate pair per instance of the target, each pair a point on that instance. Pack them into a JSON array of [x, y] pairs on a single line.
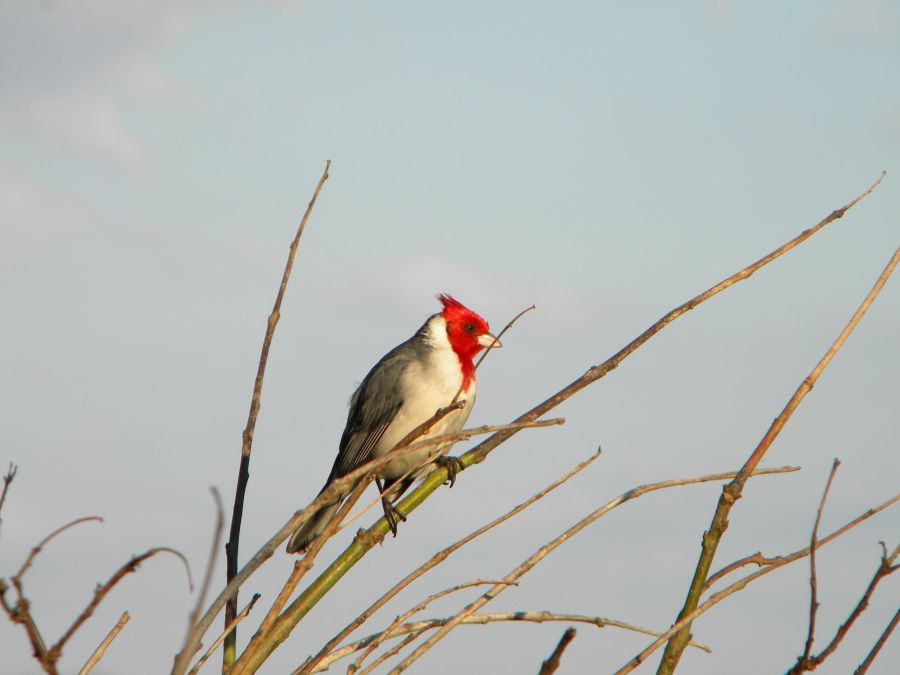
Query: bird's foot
[[392, 515], [453, 465]]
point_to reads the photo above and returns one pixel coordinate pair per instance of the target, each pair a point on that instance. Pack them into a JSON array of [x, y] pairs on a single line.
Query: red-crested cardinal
[[404, 389]]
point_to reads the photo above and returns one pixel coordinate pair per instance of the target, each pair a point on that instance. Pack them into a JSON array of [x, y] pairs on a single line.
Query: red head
[[467, 331]]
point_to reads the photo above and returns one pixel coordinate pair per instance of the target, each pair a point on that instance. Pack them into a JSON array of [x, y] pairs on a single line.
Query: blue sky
[[602, 160]]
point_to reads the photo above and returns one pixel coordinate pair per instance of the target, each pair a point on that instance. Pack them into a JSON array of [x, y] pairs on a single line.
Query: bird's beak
[[487, 341]]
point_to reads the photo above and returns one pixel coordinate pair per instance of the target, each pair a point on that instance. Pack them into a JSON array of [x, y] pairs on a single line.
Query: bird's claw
[[453, 465], [392, 515]]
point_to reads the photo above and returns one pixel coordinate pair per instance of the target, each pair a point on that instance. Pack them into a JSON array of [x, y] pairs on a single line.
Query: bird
[[410, 383]]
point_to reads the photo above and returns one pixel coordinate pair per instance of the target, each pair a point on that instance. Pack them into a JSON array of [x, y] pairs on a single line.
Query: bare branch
[[753, 559], [302, 566], [545, 550], [215, 645], [354, 553], [417, 627], [396, 649], [808, 663], [435, 560], [400, 448], [7, 479], [103, 646], [813, 590], [19, 612], [207, 577], [400, 618], [231, 548], [734, 490], [596, 372], [776, 563], [37, 549], [101, 591], [879, 643], [549, 666], [334, 488]]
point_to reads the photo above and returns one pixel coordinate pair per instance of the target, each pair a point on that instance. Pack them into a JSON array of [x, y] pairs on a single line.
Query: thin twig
[[328, 494], [594, 373], [885, 568], [396, 649], [7, 479], [480, 452], [19, 612], [209, 652], [101, 591], [37, 549], [103, 646], [485, 618], [207, 577], [757, 559], [231, 548], [465, 383], [401, 618], [435, 560], [740, 584], [549, 666], [733, 491], [879, 643], [813, 586], [303, 565], [401, 447], [546, 549]]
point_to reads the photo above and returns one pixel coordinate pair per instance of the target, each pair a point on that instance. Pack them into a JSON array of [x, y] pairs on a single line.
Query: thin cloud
[[66, 67], [34, 219], [861, 20]]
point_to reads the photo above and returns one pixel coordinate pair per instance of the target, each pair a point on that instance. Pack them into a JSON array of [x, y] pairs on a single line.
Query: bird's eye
[[469, 328]]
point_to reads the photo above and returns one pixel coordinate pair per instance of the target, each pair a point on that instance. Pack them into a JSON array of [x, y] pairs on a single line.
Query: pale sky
[[605, 161]]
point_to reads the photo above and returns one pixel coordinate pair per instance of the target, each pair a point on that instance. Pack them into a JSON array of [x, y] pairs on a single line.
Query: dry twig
[[98, 653], [300, 517], [20, 612], [479, 453], [879, 643], [545, 550], [418, 627], [733, 491], [231, 548], [215, 644], [181, 660], [40, 547], [7, 479], [813, 586], [401, 618], [102, 590], [774, 564], [806, 662], [303, 565], [549, 666], [311, 664]]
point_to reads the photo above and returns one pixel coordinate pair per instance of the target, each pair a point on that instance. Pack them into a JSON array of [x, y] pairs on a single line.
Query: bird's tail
[[314, 526]]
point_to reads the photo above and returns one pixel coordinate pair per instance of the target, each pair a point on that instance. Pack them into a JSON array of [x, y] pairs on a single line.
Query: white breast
[[427, 386]]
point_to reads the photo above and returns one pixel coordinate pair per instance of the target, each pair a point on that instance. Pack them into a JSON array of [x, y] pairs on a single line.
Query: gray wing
[[372, 409]]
